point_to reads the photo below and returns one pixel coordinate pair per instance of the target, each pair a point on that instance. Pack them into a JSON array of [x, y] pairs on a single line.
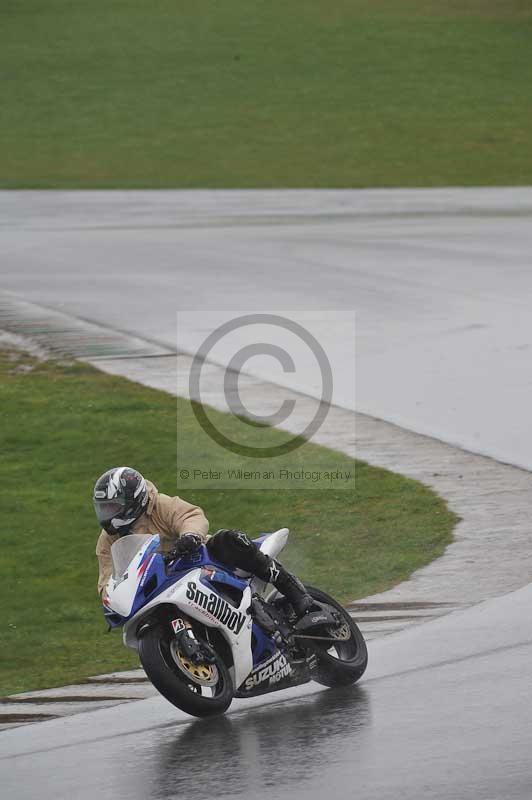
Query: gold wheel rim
[[342, 634], [202, 674]]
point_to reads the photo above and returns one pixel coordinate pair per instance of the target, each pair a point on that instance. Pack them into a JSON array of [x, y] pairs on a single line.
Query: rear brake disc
[[342, 633]]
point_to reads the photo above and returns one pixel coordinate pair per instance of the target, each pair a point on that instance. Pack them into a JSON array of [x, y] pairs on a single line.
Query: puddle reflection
[[269, 746]]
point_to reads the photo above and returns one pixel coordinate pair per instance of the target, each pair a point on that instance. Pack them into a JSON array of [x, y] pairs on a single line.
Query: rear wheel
[[344, 660], [202, 689]]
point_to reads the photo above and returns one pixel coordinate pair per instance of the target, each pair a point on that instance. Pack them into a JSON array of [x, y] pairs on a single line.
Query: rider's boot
[[293, 590], [287, 584]]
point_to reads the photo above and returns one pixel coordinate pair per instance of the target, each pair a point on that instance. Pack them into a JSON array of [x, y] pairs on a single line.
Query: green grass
[[124, 93], [62, 425]]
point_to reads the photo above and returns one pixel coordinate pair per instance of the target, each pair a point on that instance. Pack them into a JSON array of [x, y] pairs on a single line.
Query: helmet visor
[[106, 510]]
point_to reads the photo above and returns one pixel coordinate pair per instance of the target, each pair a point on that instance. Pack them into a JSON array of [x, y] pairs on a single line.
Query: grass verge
[[63, 424], [124, 93]]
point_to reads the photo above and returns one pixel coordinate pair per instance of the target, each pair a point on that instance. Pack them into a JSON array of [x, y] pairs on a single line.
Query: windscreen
[[123, 551]]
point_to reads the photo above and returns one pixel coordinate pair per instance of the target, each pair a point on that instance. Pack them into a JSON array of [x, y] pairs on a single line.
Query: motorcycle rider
[[126, 503]]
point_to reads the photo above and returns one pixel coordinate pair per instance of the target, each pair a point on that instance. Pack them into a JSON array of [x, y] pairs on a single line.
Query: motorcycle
[[206, 634]]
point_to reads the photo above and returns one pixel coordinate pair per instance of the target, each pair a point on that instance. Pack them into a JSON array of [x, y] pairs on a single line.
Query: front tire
[[348, 662], [158, 657]]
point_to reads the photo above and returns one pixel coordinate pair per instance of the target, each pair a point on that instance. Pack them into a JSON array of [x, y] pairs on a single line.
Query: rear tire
[[351, 659], [160, 666]]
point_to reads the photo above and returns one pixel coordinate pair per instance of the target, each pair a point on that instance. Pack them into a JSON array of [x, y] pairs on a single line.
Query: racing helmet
[[120, 497]]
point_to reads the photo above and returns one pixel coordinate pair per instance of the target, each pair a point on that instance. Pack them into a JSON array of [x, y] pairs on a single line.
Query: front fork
[[187, 642]]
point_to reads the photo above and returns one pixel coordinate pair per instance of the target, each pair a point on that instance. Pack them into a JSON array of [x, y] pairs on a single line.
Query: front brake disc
[[202, 673]]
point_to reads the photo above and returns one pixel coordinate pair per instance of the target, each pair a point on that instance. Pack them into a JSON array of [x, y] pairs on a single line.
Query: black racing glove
[[186, 544]]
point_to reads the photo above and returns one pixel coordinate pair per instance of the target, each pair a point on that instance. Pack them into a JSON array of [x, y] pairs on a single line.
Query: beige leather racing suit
[[167, 516]]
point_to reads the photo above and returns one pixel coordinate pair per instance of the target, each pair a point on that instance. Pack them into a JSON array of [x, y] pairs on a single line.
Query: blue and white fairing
[[203, 589]]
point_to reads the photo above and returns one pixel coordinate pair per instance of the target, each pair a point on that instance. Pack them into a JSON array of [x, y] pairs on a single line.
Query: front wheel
[[343, 661], [199, 689]]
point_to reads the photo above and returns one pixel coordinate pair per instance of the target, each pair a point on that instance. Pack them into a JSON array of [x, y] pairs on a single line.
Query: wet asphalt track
[[440, 281], [444, 710]]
